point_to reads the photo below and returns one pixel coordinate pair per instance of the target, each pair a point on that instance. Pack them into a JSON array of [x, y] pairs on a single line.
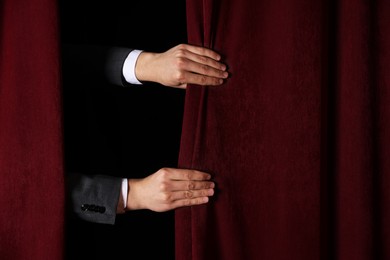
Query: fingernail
[[225, 74]]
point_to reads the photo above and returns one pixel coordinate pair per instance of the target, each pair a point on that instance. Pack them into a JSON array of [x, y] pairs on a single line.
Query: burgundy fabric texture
[[31, 164], [298, 138]]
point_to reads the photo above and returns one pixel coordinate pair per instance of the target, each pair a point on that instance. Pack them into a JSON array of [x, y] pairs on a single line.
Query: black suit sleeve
[[93, 63], [93, 198]]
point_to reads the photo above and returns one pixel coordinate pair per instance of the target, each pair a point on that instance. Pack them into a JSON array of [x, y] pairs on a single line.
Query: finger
[[193, 78], [203, 51], [189, 202], [191, 185], [203, 60], [180, 195], [203, 69], [185, 174]]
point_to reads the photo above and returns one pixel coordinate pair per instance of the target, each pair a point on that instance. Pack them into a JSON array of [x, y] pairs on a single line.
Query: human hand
[[181, 65], [169, 188]]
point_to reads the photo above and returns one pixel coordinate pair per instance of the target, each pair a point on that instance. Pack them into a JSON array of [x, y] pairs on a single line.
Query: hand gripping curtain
[[298, 138], [31, 177]]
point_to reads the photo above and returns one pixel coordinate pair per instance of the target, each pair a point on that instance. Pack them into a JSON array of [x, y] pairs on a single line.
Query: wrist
[[144, 68], [133, 199]]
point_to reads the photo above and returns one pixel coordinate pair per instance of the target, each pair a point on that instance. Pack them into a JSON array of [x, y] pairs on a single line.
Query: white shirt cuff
[[124, 191], [129, 67]]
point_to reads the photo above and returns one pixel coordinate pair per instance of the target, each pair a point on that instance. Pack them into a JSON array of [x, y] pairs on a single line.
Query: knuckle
[[181, 51], [181, 46], [189, 175], [164, 186], [191, 185], [166, 197], [198, 201], [216, 82], [180, 63], [203, 80], [164, 172], [180, 76], [205, 68], [202, 59], [188, 194]]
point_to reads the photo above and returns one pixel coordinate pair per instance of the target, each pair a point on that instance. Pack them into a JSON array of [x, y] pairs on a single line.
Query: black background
[[126, 132]]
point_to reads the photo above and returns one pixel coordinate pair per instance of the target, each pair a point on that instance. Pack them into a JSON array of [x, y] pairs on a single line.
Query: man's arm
[[181, 65], [95, 198]]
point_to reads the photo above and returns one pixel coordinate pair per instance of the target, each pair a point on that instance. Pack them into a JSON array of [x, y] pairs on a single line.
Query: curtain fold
[[31, 163], [297, 138]]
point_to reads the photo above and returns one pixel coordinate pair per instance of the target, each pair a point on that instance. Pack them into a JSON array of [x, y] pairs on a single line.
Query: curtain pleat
[[31, 174], [297, 139]]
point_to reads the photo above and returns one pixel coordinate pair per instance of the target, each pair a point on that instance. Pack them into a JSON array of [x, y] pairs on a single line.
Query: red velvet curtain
[[31, 174], [298, 139]]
